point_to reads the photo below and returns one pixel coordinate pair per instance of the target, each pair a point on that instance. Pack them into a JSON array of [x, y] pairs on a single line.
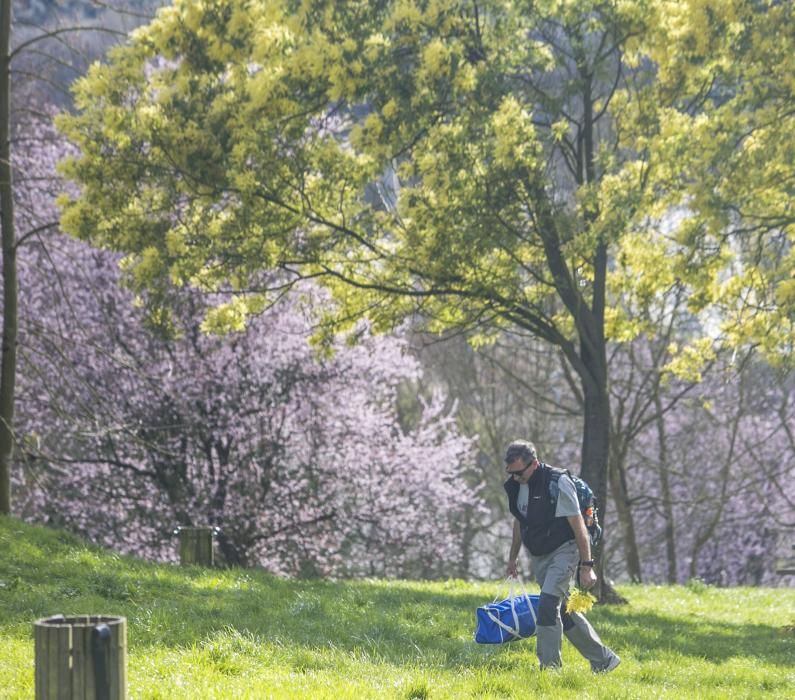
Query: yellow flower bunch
[[580, 601]]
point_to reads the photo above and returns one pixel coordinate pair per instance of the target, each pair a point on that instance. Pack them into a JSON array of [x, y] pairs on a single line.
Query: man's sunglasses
[[519, 472]]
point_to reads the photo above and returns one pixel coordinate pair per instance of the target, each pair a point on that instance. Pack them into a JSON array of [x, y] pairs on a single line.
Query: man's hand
[[516, 546], [511, 569], [587, 577]]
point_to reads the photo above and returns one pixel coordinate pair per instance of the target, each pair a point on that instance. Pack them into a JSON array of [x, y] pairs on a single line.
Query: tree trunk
[[8, 365], [595, 442], [665, 492], [467, 535], [618, 485], [595, 446], [718, 503], [593, 347]]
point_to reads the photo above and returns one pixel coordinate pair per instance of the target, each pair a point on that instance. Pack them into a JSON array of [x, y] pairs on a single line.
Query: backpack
[[585, 498]]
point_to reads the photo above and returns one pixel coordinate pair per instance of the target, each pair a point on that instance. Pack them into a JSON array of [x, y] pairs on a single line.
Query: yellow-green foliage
[[430, 150], [687, 362], [733, 153]]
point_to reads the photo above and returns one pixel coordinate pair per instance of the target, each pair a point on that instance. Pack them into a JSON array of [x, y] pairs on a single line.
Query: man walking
[[555, 535]]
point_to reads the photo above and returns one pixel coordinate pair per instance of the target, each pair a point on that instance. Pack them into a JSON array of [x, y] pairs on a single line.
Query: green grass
[[197, 633]]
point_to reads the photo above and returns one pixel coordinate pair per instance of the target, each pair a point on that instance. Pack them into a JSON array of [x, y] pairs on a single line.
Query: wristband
[[587, 562]]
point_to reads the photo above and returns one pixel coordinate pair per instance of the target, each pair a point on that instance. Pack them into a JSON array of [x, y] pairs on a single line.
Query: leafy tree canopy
[[726, 149], [479, 162]]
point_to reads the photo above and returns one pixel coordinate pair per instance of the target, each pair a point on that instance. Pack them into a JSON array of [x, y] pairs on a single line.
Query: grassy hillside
[[196, 633]]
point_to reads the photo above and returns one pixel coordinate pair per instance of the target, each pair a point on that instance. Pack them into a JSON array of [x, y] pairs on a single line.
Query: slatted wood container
[[786, 567], [81, 658], [196, 546]]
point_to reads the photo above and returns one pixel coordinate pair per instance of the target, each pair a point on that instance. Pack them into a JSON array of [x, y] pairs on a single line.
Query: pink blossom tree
[[301, 459], [711, 483]]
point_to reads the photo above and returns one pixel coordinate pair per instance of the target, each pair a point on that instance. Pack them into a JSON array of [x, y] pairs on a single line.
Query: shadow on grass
[[648, 634], [396, 622]]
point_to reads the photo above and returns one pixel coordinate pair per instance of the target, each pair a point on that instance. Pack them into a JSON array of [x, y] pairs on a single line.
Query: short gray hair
[[520, 448]]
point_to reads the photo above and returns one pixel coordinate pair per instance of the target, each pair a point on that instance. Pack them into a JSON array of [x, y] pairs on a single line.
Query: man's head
[[521, 460]]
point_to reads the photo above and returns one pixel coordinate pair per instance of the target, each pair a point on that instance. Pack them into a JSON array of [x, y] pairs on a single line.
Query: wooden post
[[81, 658], [196, 546], [787, 566]]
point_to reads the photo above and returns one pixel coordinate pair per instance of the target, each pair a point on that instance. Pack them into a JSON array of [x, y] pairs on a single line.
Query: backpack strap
[[554, 476]]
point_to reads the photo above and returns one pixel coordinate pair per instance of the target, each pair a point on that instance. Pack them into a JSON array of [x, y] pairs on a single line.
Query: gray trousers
[[554, 573]]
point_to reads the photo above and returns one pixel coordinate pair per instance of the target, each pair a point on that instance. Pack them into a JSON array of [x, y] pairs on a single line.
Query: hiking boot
[[611, 665]]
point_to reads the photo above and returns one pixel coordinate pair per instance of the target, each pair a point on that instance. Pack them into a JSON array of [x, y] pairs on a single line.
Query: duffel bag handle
[[512, 581], [518, 579]]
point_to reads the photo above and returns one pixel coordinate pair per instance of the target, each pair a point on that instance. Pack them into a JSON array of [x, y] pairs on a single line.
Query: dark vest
[[542, 532]]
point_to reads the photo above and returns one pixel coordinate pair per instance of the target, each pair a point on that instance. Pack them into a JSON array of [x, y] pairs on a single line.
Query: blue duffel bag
[[507, 620]]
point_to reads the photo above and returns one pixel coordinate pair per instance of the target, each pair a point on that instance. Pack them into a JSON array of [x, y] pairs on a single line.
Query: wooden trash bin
[[196, 546], [786, 567], [81, 658]]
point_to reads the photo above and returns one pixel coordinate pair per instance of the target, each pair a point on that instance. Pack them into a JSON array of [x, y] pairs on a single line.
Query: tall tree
[[8, 365], [299, 460], [302, 461], [41, 56], [479, 165]]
